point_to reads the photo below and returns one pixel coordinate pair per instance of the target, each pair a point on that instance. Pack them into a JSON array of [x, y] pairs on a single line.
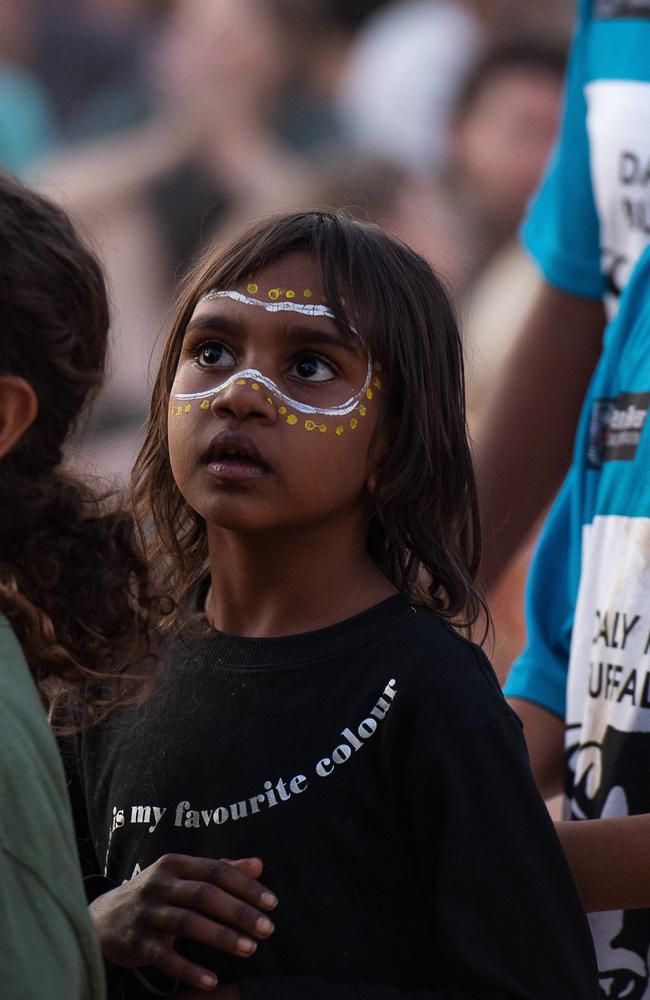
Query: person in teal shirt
[[582, 684]]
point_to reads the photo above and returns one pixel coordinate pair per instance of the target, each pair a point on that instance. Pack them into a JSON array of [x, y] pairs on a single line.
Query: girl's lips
[[236, 469], [233, 457]]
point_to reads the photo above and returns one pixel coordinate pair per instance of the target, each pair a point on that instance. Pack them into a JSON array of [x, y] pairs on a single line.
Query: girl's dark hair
[[424, 531], [73, 582]]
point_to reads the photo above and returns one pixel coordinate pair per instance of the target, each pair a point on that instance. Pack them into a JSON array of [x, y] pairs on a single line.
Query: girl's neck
[[287, 583]]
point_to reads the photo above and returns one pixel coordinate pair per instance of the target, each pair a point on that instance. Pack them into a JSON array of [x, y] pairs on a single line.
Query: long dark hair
[[73, 581], [424, 532]]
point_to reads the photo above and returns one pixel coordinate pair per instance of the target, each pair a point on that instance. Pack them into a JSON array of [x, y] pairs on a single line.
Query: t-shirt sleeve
[[540, 673], [561, 230]]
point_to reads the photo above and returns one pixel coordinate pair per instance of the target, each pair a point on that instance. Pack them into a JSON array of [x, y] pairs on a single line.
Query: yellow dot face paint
[[292, 419]]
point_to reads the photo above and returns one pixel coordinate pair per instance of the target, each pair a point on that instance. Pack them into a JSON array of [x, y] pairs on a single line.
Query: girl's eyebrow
[[300, 335], [308, 335], [214, 321]]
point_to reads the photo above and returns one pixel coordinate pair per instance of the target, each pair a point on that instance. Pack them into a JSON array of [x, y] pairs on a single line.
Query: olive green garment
[[48, 947]]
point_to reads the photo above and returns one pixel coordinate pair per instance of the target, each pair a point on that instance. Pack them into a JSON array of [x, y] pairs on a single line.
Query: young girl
[[307, 480]]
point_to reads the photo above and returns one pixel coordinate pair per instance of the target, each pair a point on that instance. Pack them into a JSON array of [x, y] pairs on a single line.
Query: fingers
[[159, 956], [206, 899], [224, 875], [218, 903], [252, 867], [185, 923]]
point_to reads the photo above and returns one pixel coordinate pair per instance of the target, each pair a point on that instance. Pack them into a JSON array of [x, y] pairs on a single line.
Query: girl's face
[[273, 410]]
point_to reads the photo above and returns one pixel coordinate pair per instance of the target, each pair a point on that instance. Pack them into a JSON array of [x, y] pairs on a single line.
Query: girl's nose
[[243, 399]]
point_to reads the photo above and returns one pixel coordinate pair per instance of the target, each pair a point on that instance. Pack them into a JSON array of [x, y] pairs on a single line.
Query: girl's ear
[[18, 410]]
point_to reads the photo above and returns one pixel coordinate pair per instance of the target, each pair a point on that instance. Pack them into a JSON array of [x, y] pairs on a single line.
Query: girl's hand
[[218, 903]]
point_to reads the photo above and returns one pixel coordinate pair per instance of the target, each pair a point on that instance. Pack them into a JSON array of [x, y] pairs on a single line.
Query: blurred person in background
[[404, 73], [89, 55], [502, 127], [27, 121], [581, 684]]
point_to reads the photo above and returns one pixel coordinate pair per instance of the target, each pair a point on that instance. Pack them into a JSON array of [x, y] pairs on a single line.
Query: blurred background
[[162, 124]]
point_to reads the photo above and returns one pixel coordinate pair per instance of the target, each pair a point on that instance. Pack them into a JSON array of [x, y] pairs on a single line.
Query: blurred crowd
[[160, 124]]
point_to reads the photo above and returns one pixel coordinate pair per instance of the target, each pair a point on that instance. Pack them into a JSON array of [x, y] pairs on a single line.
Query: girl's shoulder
[[446, 682], [432, 641]]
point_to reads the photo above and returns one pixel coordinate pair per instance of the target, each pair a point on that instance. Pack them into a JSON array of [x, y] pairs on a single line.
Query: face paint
[[256, 379], [275, 305]]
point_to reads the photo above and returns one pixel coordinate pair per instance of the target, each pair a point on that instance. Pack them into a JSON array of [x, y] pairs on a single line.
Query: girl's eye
[[214, 355], [314, 370]]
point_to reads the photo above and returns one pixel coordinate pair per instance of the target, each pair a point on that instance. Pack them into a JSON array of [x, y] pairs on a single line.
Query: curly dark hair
[[424, 531], [73, 580]]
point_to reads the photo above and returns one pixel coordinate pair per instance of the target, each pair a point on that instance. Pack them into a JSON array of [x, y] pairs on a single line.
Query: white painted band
[[283, 306], [256, 376]]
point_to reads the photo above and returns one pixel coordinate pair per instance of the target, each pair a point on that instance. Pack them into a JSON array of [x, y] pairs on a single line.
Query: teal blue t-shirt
[[590, 221]]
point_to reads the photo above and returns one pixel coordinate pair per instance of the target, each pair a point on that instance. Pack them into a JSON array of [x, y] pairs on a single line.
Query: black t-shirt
[[376, 769]]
